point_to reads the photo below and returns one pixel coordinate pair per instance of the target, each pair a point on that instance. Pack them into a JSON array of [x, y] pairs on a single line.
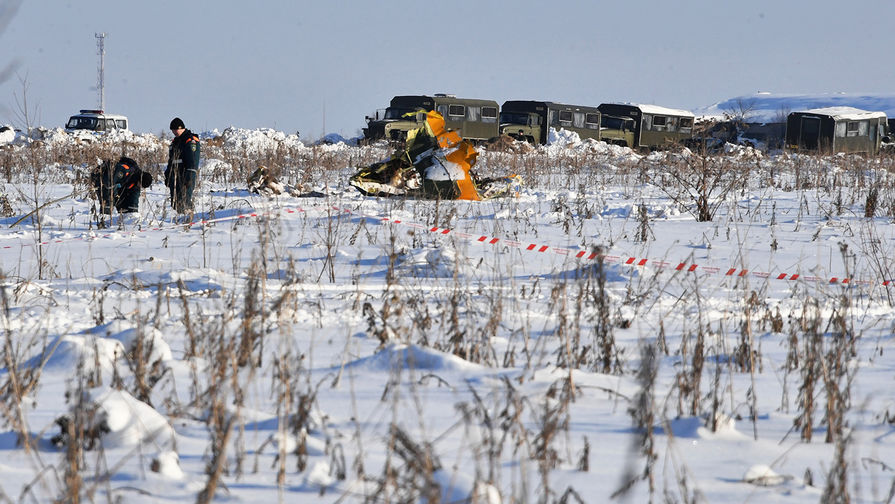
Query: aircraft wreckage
[[434, 163]]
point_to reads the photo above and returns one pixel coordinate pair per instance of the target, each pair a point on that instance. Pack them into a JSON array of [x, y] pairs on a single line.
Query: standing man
[[183, 167]]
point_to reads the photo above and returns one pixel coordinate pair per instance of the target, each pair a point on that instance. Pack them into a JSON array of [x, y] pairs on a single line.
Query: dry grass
[[465, 318]]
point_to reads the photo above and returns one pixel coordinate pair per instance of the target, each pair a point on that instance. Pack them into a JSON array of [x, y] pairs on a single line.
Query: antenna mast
[[101, 71]]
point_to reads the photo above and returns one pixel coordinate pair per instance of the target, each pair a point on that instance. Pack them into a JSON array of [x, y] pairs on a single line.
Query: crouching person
[[118, 186]]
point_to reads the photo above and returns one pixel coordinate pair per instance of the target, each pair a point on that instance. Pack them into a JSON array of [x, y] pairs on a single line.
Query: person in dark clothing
[[118, 186], [182, 172]]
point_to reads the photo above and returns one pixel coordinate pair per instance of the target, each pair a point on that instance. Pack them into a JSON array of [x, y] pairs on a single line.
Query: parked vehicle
[[96, 120], [473, 119], [532, 120], [644, 126], [836, 129]]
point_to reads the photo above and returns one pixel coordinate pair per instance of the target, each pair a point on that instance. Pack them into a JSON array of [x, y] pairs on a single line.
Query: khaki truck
[[644, 126], [836, 129], [531, 120], [473, 119]]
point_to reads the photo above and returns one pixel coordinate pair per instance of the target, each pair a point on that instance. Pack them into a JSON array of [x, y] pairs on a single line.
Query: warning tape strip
[[490, 240], [629, 261]]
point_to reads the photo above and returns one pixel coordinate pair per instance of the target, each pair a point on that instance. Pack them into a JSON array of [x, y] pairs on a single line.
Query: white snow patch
[[763, 475], [169, 465], [132, 422]]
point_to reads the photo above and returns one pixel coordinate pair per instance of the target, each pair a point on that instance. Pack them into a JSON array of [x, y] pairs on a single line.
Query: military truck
[[531, 120], [95, 120], [473, 119], [835, 129], [644, 126]]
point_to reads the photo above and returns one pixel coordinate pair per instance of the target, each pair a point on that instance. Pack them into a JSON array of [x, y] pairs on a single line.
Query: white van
[[96, 120]]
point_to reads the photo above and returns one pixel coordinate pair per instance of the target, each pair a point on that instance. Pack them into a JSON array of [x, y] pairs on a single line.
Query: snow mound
[[763, 475], [396, 357], [69, 353], [563, 138], [457, 487], [319, 476], [152, 339], [167, 463], [693, 428], [258, 141], [430, 263], [131, 422]]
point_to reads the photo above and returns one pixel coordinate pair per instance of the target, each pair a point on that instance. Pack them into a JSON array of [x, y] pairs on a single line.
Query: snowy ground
[[351, 349]]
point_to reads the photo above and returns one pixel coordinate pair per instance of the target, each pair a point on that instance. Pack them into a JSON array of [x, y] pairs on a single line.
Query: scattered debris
[[263, 182]]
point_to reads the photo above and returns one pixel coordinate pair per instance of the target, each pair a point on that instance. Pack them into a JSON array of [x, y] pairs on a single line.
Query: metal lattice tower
[[101, 71]]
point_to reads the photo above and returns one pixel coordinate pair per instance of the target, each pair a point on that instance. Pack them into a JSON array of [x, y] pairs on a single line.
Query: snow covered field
[[589, 340]]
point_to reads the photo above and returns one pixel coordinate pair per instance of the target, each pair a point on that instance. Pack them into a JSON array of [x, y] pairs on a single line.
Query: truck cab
[[95, 120]]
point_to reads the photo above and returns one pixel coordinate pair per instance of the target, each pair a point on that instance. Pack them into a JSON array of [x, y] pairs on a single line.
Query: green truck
[[644, 126], [836, 129], [531, 120], [473, 119]]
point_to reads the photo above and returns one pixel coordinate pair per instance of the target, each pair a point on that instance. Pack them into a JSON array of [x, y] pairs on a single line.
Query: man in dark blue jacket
[[183, 167]]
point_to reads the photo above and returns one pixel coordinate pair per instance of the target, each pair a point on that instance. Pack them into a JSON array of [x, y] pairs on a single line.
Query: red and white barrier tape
[[490, 240], [629, 261]]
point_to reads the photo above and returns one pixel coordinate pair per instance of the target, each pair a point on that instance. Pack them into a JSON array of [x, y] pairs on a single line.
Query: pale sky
[[296, 65]]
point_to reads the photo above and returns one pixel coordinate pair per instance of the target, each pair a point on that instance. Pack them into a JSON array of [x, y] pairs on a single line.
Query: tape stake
[[482, 238], [730, 271], [680, 266], [834, 280], [580, 253], [531, 247], [794, 277], [743, 273], [630, 260], [494, 240], [692, 267], [642, 262], [543, 248]]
